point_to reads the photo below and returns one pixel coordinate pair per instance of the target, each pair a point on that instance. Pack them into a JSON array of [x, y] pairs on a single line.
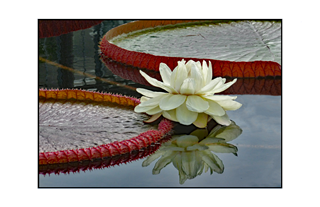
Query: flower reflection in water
[[191, 154]]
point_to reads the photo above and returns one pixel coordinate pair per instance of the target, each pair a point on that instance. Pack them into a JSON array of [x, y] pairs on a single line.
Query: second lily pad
[[233, 41]]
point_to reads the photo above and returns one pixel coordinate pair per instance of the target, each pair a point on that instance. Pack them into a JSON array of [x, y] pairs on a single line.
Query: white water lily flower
[[190, 96]]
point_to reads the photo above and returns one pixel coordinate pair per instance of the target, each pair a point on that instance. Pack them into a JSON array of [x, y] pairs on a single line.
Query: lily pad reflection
[[193, 153]]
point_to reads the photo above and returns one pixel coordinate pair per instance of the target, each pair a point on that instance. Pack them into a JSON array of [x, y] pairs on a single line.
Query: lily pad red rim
[[139, 142], [106, 162], [254, 86], [147, 61]]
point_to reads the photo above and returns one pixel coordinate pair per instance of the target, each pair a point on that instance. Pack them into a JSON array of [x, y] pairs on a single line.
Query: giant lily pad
[[67, 125], [76, 125], [235, 41], [235, 49]]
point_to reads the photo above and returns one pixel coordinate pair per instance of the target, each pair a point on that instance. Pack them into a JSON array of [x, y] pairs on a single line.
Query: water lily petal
[[141, 109], [171, 115], [188, 86], [199, 155], [201, 121], [185, 116], [177, 163], [209, 74], [197, 104], [149, 93], [143, 99], [219, 85], [197, 147], [165, 73], [229, 105], [155, 110], [152, 158], [163, 161], [196, 74], [224, 86], [153, 101], [148, 104], [190, 163], [171, 101], [153, 118], [214, 131], [229, 133], [217, 98], [223, 120], [189, 65], [206, 73], [198, 64], [214, 109], [211, 140], [223, 148], [187, 140], [206, 167], [178, 75], [200, 133], [157, 83], [226, 102], [213, 161], [210, 86]]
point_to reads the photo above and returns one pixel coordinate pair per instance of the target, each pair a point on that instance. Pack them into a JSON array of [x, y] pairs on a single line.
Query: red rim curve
[[73, 167], [256, 86]]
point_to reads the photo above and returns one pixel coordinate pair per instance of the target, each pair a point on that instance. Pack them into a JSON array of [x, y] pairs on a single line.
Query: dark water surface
[[258, 163]]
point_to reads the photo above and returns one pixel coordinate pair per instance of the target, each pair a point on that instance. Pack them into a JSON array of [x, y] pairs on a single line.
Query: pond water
[[259, 158]]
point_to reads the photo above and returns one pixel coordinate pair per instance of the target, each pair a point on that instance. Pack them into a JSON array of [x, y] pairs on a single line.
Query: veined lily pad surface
[[232, 41], [66, 125]]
